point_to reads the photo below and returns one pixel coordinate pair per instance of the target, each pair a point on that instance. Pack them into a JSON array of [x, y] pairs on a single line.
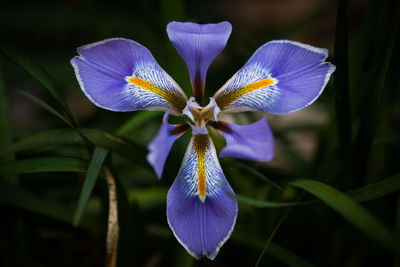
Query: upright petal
[[198, 45], [253, 141], [281, 77], [200, 210], [121, 75], [161, 145]]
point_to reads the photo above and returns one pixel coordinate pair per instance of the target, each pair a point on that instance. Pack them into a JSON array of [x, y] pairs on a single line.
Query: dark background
[[346, 143]]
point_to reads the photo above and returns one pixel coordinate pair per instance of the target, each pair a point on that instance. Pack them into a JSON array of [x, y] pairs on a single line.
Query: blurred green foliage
[[338, 206]]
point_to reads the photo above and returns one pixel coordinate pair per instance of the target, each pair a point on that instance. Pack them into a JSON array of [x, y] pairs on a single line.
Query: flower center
[[200, 115]]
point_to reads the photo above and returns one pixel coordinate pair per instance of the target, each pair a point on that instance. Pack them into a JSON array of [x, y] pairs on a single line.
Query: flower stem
[[113, 226]]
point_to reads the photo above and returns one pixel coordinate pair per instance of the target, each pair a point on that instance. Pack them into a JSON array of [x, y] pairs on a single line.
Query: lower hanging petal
[[161, 145], [253, 141], [200, 209]]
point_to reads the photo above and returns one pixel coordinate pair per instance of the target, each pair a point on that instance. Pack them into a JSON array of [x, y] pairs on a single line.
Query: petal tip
[[192, 253], [252, 141], [204, 252], [331, 69], [228, 235], [160, 146], [299, 71], [72, 61], [196, 28], [150, 158], [198, 45], [315, 49], [87, 46], [201, 227], [101, 69]]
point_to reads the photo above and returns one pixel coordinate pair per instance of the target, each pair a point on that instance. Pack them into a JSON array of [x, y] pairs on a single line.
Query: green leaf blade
[[351, 211], [258, 175], [26, 200], [46, 106], [265, 204], [366, 193], [25, 61], [137, 120], [274, 250], [44, 164], [70, 137], [96, 163]]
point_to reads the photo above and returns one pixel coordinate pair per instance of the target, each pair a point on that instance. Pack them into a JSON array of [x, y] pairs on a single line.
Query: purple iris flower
[[282, 76]]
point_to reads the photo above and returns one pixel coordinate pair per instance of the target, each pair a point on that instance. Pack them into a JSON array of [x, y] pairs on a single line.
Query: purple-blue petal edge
[[160, 146], [252, 142], [198, 44]]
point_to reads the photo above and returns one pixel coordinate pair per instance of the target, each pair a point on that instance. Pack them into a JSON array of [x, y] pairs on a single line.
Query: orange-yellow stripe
[[175, 100], [225, 100], [200, 142]]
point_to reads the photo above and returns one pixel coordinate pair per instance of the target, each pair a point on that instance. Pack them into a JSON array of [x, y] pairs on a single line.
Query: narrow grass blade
[[257, 174], [25, 61], [20, 198], [96, 163], [136, 121], [274, 250], [376, 190], [47, 107], [366, 193], [271, 236], [44, 164], [70, 137], [266, 204], [50, 109], [351, 211]]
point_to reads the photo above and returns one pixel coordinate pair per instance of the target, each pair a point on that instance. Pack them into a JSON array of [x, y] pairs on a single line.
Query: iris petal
[[198, 45], [281, 77], [200, 211], [161, 145], [253, 141], [121, 75]]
